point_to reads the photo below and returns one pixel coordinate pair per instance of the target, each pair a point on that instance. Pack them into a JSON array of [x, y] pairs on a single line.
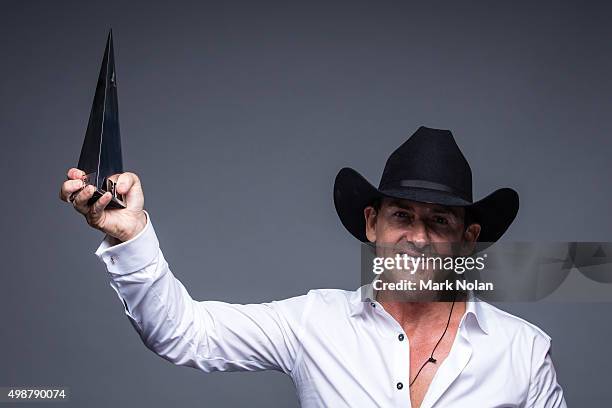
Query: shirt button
[[112, 259], [400, 337], [400, 385], [373, 304]]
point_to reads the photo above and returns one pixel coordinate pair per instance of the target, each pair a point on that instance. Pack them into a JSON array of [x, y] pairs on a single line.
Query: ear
[[470, 236], [472, 232], [370, 221]]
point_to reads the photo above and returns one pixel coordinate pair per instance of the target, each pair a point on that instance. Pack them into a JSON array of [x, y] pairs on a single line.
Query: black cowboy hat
[[429, 167]]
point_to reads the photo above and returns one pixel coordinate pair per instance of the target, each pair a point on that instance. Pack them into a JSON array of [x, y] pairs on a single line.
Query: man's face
[[420, 228], [413, 229]]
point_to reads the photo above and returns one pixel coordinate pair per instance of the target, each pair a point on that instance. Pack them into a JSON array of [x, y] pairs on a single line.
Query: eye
[[441, 220], [400, 214]]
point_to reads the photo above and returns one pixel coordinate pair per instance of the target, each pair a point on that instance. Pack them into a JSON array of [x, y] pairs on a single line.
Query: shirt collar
[[474, 308], [365, 295]]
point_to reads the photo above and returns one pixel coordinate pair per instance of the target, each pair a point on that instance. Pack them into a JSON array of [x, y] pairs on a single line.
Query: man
[[339, 347]]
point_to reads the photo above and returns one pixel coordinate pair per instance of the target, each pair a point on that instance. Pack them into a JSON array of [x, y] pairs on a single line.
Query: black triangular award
[[101, 152]]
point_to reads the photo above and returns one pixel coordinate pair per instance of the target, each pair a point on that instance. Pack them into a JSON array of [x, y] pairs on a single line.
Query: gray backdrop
[[237, 117]]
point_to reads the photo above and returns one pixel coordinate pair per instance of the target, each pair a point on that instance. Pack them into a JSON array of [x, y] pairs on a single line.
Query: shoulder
[[316, 302], [329, 304], [509, 323], [334, 299], [515, 332]]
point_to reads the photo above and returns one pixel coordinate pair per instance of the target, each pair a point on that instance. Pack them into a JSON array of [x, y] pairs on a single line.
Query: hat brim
[[353, 193]]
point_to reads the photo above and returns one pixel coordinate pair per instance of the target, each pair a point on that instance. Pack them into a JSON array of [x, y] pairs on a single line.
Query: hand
[[122, 224]]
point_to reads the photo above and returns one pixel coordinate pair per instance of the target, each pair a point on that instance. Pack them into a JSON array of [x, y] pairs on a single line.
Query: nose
[[417, 234]]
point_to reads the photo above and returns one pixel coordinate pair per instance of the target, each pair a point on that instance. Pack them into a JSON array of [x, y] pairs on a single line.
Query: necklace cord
[[431, 357]]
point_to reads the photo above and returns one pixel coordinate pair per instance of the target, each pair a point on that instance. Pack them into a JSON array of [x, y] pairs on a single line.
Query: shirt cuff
[[132, 255]]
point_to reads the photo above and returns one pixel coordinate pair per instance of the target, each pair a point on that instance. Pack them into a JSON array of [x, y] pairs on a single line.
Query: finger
[[125, 181], [75, 173], [70, 187], [97, 209], [80, 201]]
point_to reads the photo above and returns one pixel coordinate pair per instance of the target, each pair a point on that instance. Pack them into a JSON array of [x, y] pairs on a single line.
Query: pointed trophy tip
[[101, 150], [109, 49]]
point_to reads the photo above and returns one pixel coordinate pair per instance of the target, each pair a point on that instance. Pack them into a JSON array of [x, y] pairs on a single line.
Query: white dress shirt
[[339, 350]]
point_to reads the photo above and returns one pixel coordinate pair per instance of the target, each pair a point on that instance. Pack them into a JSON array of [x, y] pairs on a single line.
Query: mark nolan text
[[405, 284]]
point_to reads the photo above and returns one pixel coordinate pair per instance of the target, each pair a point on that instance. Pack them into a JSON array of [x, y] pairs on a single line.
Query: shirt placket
[[398, 355]]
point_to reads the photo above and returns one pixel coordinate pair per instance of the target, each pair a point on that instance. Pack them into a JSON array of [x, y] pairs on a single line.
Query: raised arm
[[208, 335]]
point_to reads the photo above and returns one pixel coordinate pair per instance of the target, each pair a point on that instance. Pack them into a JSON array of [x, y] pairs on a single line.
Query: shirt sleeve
[[544, 390], [207, 335]]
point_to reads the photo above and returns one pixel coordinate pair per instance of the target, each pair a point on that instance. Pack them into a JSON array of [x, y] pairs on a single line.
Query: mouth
[[410, 255]]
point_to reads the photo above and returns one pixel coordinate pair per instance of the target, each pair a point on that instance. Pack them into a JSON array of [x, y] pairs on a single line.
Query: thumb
[[96, 215]]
